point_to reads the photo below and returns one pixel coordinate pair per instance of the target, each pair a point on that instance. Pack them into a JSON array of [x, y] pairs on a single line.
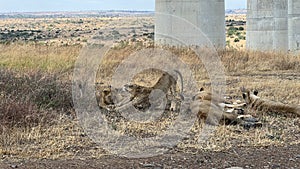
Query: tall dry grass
[[236, 61], [46, 91], [57, 58], [35, 96], [33, 56]]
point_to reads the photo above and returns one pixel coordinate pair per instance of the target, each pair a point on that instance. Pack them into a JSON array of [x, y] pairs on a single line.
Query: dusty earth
[[244, 157]]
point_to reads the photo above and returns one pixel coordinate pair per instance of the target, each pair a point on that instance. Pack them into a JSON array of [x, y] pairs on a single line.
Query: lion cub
[[108, 96]]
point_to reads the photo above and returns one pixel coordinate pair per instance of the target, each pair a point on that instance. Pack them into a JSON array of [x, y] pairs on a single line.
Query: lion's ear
[[255, 92], [243, 89], [194, 98], [244, 96]]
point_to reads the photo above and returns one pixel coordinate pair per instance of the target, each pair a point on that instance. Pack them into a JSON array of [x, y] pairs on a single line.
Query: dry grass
[[37, 118], [237, 17], [236, 61], [73, 30], [42, 99], [45, 91], [32, 57], [31, 104], [19, 114], [64, 140]]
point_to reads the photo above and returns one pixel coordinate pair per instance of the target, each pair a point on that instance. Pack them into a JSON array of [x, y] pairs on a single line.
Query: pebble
[[276, 166], [148, 165], [14, 166], [291, 159], [235, 168]]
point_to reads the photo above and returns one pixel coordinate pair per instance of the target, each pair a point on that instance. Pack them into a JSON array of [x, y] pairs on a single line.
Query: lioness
[[257, 103], [211, 110], [221, 101], [140, 94]]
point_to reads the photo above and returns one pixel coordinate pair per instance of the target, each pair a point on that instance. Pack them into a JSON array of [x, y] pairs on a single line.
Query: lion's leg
[[175, 97], [229, 118]]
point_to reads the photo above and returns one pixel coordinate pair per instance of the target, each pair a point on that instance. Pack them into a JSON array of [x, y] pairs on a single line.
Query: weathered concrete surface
[[271, 24], [178, 20], [294, 25], [267, 25]]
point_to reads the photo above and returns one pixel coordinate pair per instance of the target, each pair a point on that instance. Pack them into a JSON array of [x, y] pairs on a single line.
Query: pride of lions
[[208, 108]]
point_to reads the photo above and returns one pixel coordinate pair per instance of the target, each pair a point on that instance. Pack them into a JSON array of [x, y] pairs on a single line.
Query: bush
[[43, 90], [228, 43], [232, 28], [230, 33], [21, 114], [285, 63], [236, 40], [242, 37]]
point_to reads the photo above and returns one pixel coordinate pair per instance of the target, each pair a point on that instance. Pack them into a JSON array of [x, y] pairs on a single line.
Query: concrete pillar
[[280, 34], [294, 25], [207, 15], [267, 22]]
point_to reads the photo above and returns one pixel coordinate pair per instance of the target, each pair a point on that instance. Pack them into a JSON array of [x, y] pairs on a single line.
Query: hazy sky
[[75, 5]]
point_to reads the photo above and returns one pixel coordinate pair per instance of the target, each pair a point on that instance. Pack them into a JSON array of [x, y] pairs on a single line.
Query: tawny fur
[[211, 109], [211, 113], [140, 94], [204, 95], [257, 103], [104, 97]]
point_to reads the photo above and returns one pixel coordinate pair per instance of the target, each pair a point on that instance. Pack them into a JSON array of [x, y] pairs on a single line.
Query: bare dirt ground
[[245, 157]]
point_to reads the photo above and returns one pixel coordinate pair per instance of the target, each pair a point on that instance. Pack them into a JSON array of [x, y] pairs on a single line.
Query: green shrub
[[236, 40], [241, 37], [232, 28]]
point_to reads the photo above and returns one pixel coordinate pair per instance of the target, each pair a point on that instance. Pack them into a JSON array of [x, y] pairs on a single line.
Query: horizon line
[[94, 10]]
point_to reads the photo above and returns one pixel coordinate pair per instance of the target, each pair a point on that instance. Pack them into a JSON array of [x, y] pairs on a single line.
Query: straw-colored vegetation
[[37, 119]]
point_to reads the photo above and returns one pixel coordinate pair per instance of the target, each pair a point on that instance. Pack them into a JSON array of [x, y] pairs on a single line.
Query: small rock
[[202, 161], [247, 125], [82, 135], [271, 137], [235, 168], [291, 159], [157, 167], [298, 156], [276, 166], [148, 165], [14, 166]]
